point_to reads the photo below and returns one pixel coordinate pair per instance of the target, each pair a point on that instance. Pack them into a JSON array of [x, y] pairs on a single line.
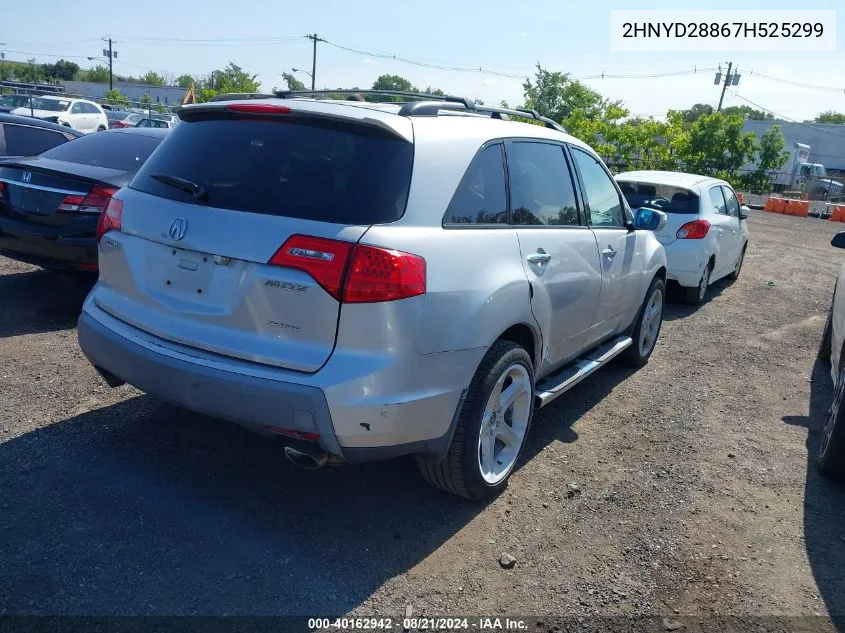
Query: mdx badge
[[177, 229]]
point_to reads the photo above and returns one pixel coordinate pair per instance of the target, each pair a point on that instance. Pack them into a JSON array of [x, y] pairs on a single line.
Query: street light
[[300, 70]]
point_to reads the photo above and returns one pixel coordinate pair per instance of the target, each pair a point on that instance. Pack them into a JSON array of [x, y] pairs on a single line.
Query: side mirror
[[649, 219], [838, 240], [744, 212]]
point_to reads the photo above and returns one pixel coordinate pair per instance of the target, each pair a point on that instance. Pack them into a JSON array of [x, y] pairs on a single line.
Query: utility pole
[[112, 55], [731, 79], [314, 38]]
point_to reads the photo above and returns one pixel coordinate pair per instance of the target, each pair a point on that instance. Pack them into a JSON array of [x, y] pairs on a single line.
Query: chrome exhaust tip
[[305, 458]]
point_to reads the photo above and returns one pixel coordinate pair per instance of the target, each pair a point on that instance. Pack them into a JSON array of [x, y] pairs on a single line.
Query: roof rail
[[236, 96], [292, 94], [426, 104]]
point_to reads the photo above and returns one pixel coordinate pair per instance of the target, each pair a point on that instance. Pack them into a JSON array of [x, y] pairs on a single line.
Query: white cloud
[[368, 60]]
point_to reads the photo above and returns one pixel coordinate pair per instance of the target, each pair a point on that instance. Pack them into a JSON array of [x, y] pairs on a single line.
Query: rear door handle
[[538, 258], [609, 252]]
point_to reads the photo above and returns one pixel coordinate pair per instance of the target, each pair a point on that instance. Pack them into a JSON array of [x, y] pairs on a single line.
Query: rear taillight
[[111, 218], [354, 273], [695, 230], [94, 202]]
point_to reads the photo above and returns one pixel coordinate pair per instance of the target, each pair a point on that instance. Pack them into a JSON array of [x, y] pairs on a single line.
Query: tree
[[292, 82], [555, 95], [830, 116], [233, 78], [748, 112], [100, 74], [113, 97], [62, 69], [715, 145], [28, 72], [696, 112], [393, 82], [771, 157], [152, 78], [146, 100], [185, 81]]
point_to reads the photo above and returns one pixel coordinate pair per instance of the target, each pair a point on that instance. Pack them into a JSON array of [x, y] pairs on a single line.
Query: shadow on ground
[[824, 502], [141, 508], [41, 301]]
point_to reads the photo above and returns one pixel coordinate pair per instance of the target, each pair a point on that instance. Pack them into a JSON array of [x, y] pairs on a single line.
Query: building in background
[[167, 95], [826, 140]]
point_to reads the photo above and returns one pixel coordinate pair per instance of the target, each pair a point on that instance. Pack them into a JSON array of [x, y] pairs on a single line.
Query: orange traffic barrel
[[788, 205], [740, 198], [770, 204], [801, 208], [780, 205], [837, 213]]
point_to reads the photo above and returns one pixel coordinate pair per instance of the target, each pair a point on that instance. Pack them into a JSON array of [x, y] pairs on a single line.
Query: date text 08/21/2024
[[410, 624]]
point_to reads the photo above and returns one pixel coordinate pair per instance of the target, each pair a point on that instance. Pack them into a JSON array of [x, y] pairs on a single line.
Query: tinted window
[[143, 123], [540, 185], [480, 198], [14, 101], [53, 105], [115, 150], [602, 195], [663, 197], [22, 140], [78, 108], [115, 115], [732, 202], [717, 201], [90, 108], [318, 170]]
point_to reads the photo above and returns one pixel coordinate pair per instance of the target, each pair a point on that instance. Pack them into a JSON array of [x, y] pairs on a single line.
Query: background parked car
[[831, 451], [10, 102], [706, 234], [80, 114], [158, 120], [50, 204], [122, 118], [26, 136]]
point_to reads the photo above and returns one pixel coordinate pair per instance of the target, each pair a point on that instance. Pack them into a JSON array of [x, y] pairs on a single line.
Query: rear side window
[[717, 201], [656, 196], [541, 186], [310, 169], [480, 198], [23, 140], [115, 150]]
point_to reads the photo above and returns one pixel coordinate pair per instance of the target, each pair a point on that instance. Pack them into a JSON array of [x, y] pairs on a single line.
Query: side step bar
[[564, 379]]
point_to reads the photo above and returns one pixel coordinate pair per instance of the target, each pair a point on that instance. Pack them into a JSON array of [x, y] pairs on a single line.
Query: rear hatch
[[680, 205], [54, 196], [204, 217]]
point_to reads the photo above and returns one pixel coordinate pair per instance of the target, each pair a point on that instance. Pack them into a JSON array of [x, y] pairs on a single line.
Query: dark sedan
[[50, 204], [26, 136]]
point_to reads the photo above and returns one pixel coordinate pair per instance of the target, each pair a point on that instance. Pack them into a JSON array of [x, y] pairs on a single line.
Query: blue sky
[[562, 35]]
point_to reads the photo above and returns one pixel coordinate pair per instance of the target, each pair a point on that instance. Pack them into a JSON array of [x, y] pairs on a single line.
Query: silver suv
[[366, 281]]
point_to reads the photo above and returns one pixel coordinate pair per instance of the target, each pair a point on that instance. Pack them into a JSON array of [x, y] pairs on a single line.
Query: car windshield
[[14, 101], [114, 149], [818, 170], [116, 115], [52, 105], [656, 196]]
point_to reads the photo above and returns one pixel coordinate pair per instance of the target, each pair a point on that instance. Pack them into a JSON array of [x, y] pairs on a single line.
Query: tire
[[698, 295], [738, 267], [831, 456], [101, 129], [645, 330], [461, 472], [827, 334]]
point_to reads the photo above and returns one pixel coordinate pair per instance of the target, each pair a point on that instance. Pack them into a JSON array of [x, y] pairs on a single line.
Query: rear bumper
[[685, 261], [18, 242], [418, 420]]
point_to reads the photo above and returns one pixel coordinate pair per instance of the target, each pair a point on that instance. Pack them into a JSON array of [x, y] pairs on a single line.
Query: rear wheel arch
[[525, 336]]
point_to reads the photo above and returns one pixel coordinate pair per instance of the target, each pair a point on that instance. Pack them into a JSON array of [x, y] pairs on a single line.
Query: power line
[[800, 84], [788, 119]]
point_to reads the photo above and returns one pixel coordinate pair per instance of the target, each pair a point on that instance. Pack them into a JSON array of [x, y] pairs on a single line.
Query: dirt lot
[[696, 488]]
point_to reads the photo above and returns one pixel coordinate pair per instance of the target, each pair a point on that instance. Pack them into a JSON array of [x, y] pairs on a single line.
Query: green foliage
[[28, 72], [697, 111], [715, 145], [830, 116], [393, 82], [233, 78], [146, 100], [185, 81], [7, 71], [152, 78], [292, 82], [115, 98], [771, 157], [62, 69], [557, 96], [749, 113], [99, 74]]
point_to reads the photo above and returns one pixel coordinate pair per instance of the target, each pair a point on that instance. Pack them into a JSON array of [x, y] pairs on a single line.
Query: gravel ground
[[685, 488]]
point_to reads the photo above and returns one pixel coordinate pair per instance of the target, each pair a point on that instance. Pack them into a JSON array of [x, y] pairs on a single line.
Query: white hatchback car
[[706, 233], [79, 114]]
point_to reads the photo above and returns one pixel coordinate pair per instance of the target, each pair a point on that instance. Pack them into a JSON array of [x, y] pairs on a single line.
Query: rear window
[[319, 170], [663, 197], [115, 150]]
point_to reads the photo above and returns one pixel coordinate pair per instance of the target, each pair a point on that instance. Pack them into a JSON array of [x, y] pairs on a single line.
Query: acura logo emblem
[[26, 176], [177, 229]]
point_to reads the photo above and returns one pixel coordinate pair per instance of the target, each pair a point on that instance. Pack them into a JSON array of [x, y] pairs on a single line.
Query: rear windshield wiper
[[197, 191]]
